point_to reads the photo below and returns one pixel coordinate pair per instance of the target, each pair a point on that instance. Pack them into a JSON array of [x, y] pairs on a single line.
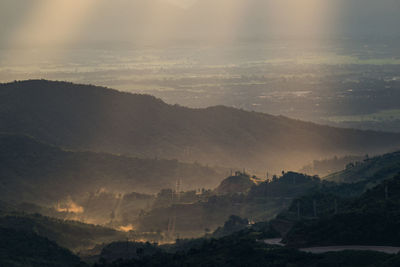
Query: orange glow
[[126, 228], [69, 206], [52, 22], [47, 23]]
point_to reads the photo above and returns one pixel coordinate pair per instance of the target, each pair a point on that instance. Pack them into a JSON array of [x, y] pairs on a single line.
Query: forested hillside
[[371, 219], [370, 169], [33, 171], [21, 248], [73, 235], [236, 195], [94, 118]]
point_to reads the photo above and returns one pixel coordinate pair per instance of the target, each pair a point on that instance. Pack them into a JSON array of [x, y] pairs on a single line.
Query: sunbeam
[[51, 23]]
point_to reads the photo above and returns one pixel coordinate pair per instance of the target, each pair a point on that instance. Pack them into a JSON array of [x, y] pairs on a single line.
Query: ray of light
[[51, 23], [230, 16], [182, 3], [301, 17]]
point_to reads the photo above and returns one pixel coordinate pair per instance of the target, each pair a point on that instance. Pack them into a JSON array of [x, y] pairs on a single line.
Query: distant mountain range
[[86, 117]]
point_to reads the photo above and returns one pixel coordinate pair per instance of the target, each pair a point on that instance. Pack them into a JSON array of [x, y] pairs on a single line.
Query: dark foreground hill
[[362, 210], [236, 195], [24, 248], [33, 171], [237, 250], [373, 169], [94, 118], [370, 219], [73, 235]]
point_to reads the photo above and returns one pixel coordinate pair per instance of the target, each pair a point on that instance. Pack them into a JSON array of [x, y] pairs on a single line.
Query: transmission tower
[[175, 198]]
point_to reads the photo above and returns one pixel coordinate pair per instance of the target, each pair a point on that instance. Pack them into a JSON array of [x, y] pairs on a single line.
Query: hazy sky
[[61, 22]]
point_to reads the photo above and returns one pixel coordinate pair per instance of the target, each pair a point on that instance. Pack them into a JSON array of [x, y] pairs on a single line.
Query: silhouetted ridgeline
[[328, 166], [371, 219], [86, 117], [370, 169], [236, 195], [238, 250], [73, 235], [21, 248], [37, 172]]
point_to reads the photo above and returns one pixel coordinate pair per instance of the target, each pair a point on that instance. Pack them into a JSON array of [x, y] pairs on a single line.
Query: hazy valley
[[246, 133], [150, 179]]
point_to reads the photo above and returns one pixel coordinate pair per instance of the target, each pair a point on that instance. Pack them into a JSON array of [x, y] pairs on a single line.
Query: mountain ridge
[[33, 171], [87, 117]]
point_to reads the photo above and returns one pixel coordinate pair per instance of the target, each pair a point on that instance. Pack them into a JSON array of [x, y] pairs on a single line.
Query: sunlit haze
[[199, 133]]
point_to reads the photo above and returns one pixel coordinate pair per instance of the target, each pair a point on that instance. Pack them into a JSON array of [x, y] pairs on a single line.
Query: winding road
[[317, 250]]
